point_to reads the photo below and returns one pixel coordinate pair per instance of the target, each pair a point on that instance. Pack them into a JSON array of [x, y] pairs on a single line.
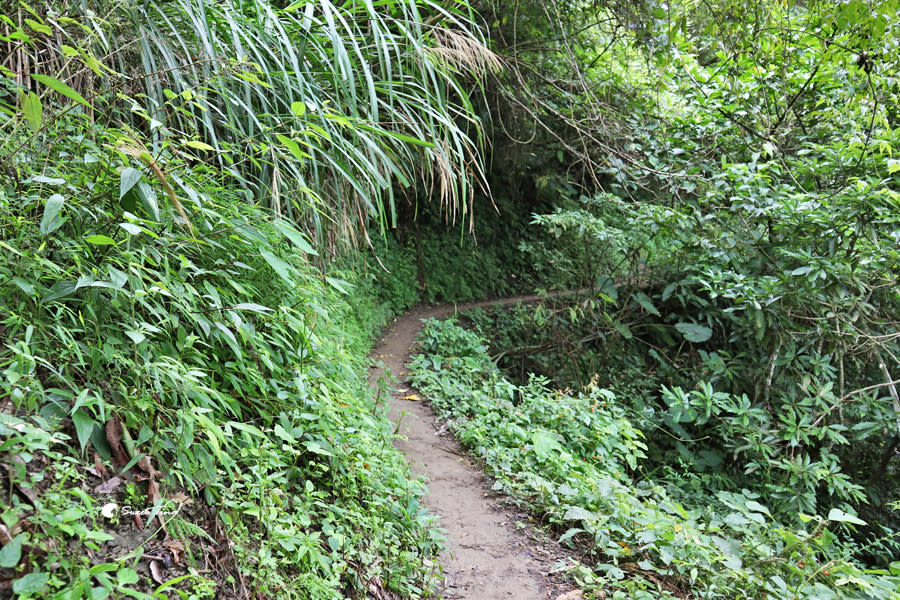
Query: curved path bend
[[489, 558]]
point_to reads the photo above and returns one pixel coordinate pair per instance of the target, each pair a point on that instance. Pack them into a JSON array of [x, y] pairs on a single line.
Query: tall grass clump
[[323, 111]]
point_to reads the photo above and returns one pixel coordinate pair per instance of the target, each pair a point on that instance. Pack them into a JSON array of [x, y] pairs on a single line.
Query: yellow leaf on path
[[412, 397]]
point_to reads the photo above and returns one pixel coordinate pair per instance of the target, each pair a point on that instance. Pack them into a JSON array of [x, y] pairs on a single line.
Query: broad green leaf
[[52, 221], [295, 236], [127, 180], [298, 108], [693, 332], [147, 196], [100, 240], [646, 303], [136, 336], [32, 109], [757, 507], [131, 228], [622, 328], [23, 285], [577, 513], [279, 266], [545, 443], [127, 576], [736, 520], [282, 433], [60, 87], [58, 290], [199, 145], [38, 27], [251, 306], [316, 448], [839, 516], [11, 553], [54, 181], [32, 583], [84, 426]]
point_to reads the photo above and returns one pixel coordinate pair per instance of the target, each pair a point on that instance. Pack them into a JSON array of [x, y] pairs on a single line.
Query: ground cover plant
[[578, 459]]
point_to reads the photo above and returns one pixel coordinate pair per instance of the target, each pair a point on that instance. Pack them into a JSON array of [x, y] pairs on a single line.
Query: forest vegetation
[[208, 211]]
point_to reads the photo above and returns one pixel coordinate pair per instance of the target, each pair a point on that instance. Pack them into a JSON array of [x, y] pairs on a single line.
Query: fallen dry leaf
[[176, 548], [153, 491], [5, 536], [145, 466], [99, 467], [180, 498], [114, 437], [376, 588], [411, 397], [155, 572], [108, 487]]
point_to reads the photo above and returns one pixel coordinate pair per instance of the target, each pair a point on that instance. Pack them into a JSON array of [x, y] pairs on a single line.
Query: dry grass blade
[[465, 52]]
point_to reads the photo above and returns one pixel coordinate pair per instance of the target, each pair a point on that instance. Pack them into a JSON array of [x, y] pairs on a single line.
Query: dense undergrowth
[[204, 364], [726, 188], [579, 459], [185, 407]]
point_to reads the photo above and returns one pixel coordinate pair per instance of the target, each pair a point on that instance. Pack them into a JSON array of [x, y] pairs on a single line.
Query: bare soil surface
[[489, 557]]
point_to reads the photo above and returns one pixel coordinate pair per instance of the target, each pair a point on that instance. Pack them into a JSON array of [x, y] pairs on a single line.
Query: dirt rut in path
[[488, 558]]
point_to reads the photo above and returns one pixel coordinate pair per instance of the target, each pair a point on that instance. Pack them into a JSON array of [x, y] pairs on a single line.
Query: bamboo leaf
[[293, 147], [199, 145], [252, 307], [32, 109], [100, 240], [296, 237], [61, 87], [282, 268]]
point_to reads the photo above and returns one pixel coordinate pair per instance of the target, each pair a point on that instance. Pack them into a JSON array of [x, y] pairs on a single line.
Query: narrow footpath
[[488, 557]]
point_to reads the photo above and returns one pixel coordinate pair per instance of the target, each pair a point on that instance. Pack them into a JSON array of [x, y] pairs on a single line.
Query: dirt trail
[[488, 559]]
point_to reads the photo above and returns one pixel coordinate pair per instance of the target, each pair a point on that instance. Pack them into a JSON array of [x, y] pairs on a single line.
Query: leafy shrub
[[578, 460], [142, 292]]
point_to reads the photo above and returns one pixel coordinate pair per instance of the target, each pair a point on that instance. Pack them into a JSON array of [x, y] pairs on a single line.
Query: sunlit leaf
[[32, 109], [839, 516], [51, 220], [60, 87]]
